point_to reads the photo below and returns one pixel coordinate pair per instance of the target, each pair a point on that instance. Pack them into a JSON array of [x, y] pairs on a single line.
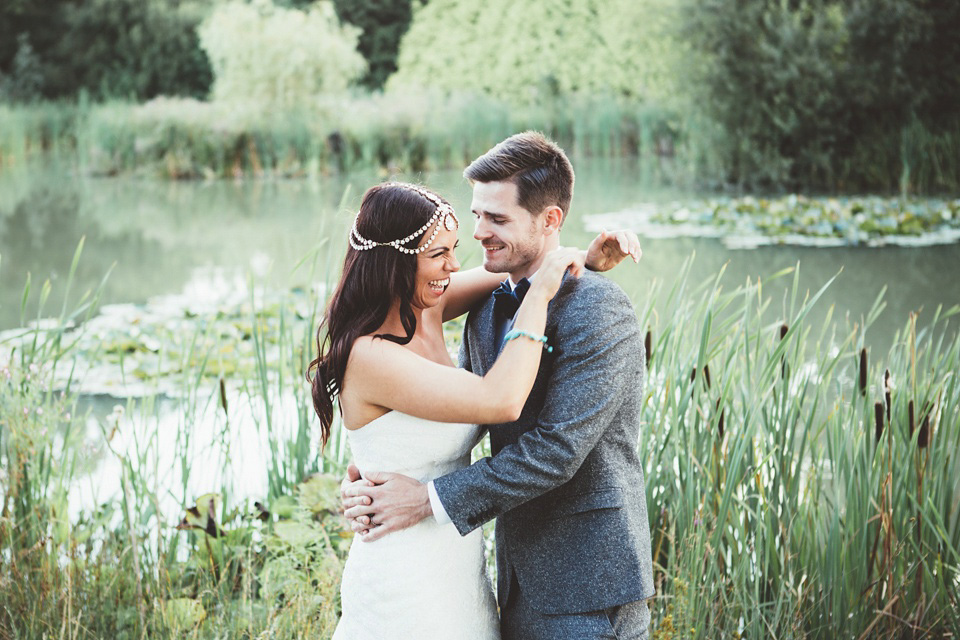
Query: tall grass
[[799, 485], [125, 568], [188, 139], [182, 138], [784, 502]]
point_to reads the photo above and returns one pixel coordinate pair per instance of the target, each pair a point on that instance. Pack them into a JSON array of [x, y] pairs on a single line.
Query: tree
[[108, 48], [383, 24], [25, 81], [279, 57], [527, 52]]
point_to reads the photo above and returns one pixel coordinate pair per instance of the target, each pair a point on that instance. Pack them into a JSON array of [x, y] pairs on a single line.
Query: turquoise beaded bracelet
[[516, 333]]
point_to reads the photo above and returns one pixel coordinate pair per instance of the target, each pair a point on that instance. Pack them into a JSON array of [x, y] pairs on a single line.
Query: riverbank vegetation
[[799, 484], [797, 220], [759, 95]]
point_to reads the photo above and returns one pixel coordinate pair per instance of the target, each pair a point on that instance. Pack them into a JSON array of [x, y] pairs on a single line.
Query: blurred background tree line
[[815, 94]]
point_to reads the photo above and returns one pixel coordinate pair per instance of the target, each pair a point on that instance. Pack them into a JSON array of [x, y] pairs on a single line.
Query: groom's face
[[513, 239]]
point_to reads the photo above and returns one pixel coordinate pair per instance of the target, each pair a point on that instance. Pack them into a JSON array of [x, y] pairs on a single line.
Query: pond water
[[190, 237]]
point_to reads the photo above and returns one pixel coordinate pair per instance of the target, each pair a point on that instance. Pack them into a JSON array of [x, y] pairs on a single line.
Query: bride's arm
[[384, 374], [469, 288]]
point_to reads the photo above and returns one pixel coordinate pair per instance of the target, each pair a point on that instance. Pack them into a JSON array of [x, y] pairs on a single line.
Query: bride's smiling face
[[434, 267]]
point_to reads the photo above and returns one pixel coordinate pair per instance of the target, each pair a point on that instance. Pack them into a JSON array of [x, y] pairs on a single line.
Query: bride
[[408, 409]]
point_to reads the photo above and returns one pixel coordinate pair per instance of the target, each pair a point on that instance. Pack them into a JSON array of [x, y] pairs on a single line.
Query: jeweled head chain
[[442, 215]]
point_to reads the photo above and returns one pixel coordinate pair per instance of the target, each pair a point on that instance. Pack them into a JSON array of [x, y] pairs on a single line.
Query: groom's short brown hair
[[539, 168]]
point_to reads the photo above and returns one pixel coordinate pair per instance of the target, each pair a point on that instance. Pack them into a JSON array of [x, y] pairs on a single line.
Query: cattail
[[863, 372], [783, 360], [706, 374], [223, 396], [648, 346], [878, 419], [910, 419], [923, 437], [886, 393], [720, 421]]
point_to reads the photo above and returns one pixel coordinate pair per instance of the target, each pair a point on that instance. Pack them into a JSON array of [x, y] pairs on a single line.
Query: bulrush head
[[878, 419], [910, 420], [886, 391], [863, 372], [648, 346], [720, 421], [923, 438], [783, 360]]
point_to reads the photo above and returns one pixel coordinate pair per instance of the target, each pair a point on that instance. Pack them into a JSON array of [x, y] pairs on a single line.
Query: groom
[[565, 482]]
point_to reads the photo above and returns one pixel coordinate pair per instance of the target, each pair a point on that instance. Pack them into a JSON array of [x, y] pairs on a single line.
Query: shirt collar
[[513, 285]]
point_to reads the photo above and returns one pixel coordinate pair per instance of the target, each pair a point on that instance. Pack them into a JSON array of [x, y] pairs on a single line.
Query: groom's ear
[[552, 217]]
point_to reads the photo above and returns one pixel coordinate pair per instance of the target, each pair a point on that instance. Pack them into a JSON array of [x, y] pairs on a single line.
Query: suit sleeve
[[598, 341]]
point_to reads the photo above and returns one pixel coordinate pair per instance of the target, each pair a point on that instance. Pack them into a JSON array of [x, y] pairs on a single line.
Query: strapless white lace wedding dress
[[426, 582]]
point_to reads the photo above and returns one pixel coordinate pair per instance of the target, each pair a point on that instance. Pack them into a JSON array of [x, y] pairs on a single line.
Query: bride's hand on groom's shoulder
[[550, 274], [610, 248]]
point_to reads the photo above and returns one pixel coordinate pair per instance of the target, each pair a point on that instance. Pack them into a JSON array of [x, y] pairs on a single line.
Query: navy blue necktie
[[507, 301]]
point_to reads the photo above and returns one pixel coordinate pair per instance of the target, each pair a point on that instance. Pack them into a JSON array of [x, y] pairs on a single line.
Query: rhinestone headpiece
[[443, 215]]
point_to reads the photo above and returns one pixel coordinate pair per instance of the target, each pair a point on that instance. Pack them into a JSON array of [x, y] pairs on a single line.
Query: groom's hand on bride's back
[[382, 503]]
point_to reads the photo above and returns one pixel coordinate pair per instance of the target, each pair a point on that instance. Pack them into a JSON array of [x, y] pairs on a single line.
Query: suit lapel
[[483, 346]]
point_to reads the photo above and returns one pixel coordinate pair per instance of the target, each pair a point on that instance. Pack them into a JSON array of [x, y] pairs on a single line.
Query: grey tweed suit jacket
[[565, 482]]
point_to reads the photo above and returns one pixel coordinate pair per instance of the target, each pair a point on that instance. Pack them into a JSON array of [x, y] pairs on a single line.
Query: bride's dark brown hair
[[370, 282]]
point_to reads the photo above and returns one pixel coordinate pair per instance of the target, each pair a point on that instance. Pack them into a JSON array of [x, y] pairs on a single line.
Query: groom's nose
[[480, 230]]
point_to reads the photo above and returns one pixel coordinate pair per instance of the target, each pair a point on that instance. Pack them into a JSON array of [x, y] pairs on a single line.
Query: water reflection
[[40, 235], [181, 449]]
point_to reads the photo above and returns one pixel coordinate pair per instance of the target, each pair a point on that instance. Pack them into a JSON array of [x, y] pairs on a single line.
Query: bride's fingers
[[377, 532], [355, 490], [359, 510], [359, 528], [356, 502]]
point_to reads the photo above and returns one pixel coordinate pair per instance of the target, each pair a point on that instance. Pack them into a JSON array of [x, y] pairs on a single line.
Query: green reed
[[793, 519], [181, 138], [799, 484], [187, 139]]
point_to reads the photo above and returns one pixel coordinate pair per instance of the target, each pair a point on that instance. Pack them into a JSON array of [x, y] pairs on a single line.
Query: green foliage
[[531, 53], [829, 94], [183, 138], [25, 81], [383, 24], [279, 57], [799, 486], [773, 84], [795, 488], [120, 569], [109, 48], [854, 221]]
